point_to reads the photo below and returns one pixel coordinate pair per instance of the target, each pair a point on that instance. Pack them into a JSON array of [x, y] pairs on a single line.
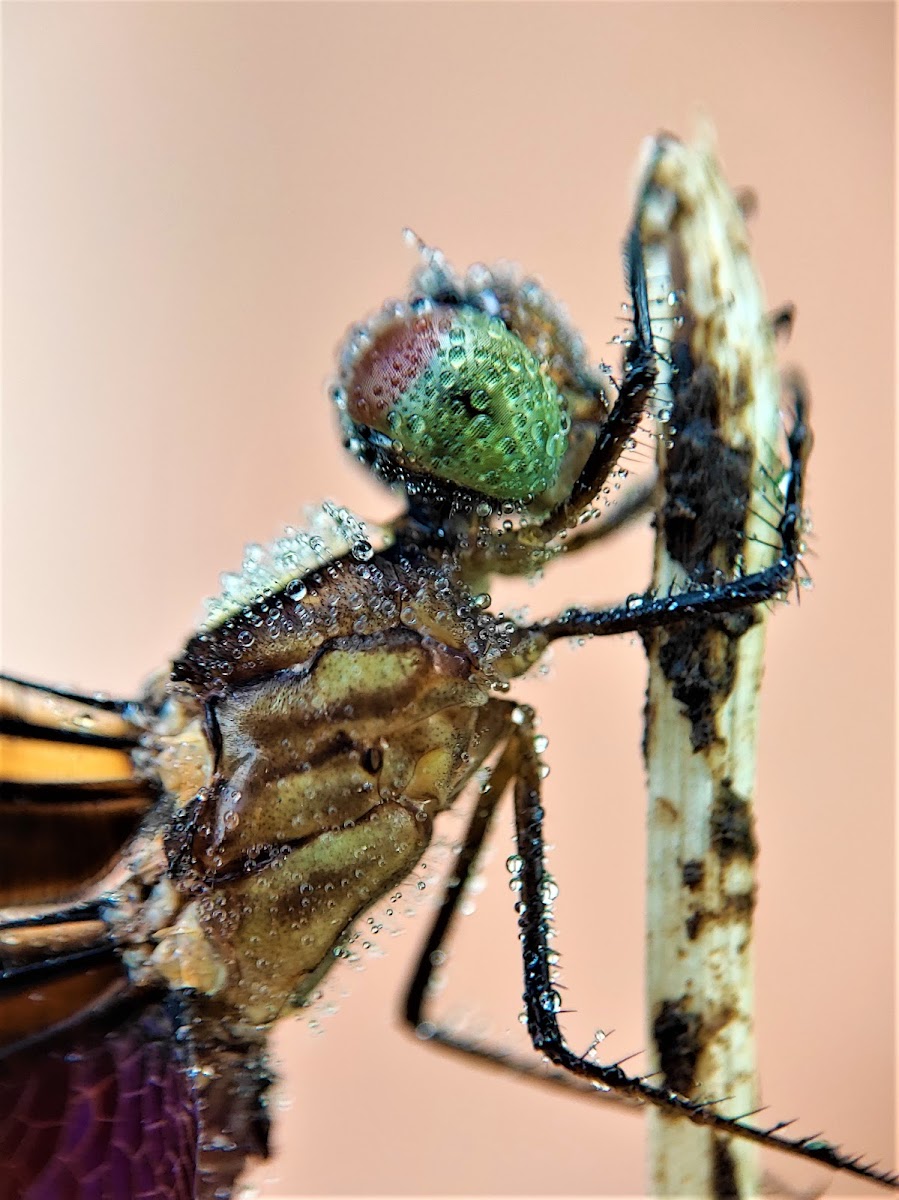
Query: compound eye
[[459, 396]]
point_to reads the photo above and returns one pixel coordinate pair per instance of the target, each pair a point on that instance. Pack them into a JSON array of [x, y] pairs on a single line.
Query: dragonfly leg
[[416, 1004], [416, 1000], [611, 440], [630, 405], [519, 764], [542, 1001], [635, 502], [642, 613], [501, 559]]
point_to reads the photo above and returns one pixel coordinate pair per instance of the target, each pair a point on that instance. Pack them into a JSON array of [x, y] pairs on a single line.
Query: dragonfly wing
[[106, 1092], [69, 796], [104, 1111], [138, 1101], [68, 800]]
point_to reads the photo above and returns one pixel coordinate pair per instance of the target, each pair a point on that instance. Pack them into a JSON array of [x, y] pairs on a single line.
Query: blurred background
[[197, 200]]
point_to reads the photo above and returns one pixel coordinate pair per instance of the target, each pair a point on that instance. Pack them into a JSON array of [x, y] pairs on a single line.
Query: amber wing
[[104, 1092]]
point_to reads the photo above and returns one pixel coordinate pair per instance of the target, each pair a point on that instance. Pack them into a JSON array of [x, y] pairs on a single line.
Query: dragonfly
[[181, 870]]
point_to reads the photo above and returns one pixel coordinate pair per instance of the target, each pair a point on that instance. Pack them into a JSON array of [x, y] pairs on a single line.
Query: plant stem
[[715, 453]]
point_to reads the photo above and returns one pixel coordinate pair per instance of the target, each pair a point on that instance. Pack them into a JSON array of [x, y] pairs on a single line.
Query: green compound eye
[[461, 397]]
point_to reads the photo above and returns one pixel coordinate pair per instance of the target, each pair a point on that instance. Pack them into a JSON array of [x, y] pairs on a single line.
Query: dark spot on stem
[[731, 833], [707, 494], [693, 873], [724, 1174], [736, 907], [707, 481], [676, 1033], [699, 661]]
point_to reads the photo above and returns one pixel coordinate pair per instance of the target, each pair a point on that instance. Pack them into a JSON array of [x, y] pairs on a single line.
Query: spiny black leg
[[634, 503], [611, 441], [628, 410], [416, 1002], [542, 1000], [646, 612], [519, 760], [479, 823]]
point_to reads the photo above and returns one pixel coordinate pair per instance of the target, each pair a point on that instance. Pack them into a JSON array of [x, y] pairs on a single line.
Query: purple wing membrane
[[99, 1113], [142, 1101]]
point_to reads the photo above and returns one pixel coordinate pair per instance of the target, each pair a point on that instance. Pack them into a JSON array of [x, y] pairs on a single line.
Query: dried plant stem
[[703, 686]]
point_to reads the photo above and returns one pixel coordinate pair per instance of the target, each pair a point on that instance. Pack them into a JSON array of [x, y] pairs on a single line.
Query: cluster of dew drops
[[330, 531]]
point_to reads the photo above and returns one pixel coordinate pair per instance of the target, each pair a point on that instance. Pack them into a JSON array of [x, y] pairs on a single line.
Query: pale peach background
[[197, 201]]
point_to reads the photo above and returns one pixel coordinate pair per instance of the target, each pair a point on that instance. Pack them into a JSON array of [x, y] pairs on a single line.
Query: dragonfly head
[[467, 392]]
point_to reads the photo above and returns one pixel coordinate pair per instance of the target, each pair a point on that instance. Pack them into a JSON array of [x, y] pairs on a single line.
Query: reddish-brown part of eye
[[392, 364]]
